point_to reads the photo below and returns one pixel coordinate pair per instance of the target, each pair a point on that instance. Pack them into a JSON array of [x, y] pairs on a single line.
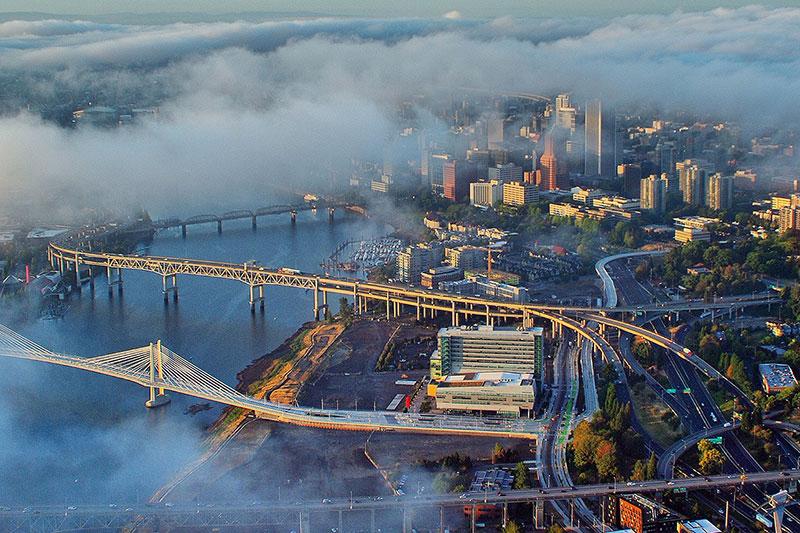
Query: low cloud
[[246, 107]]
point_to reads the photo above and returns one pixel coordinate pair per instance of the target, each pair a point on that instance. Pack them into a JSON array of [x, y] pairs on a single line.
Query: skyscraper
[[457, 174], [719, 194], [631, 175], [435, 171], [565, 113], [548, 165], [692, 180], [593, 139], [653, 193]]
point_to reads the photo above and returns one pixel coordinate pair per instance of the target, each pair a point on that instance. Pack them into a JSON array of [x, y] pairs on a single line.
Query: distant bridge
[[252, 215]]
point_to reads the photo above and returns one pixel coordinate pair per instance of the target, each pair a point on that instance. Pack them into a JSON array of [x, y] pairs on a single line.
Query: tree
[[512, 527], [606, 460], [652, 466], [555, 528], [498, 453], [639, 471], [345, 310], [711, 459], [521, 479]]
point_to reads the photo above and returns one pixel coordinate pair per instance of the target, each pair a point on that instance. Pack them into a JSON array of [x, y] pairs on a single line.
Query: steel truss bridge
[[395, 298], [56, 518]]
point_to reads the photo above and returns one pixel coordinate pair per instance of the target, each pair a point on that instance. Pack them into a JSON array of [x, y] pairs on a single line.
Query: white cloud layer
[[250, 103]]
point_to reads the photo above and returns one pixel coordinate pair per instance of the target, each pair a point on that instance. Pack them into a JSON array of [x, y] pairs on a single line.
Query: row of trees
[[606, 448]]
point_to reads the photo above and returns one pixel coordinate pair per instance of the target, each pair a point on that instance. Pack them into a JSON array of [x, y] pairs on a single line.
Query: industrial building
[[507, 393], [487, 349]]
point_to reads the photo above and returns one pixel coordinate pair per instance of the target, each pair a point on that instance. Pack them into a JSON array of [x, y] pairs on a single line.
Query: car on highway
[[326, 500]]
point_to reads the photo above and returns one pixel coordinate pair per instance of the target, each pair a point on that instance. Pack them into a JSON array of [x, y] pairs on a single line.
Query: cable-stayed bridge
[[159, 369]]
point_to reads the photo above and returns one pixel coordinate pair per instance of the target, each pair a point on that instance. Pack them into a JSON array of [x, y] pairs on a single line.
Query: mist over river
[[71, 437]]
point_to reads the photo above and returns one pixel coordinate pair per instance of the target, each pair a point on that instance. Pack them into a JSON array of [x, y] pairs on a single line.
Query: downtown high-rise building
[[593, 139], [630, 175], [548, 165], [692, 180], [457, 175], [653, 193], [566, 115], [719, 192]]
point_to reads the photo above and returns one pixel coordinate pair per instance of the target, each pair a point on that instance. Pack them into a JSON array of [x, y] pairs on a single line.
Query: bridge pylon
[[156, 370]]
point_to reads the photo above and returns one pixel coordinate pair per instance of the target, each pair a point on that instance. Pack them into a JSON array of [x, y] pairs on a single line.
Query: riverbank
[[277, 376]]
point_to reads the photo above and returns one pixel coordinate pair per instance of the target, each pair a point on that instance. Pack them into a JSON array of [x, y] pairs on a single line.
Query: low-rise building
[[433, 277], [486, 288], [700, 525], [694, 228], [776, 377], [496, 392], [617, 202]]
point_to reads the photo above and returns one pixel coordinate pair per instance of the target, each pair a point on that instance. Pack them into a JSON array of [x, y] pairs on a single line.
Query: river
[[70, 437]]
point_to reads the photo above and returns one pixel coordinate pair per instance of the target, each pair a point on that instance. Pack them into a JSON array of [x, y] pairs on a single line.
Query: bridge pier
[[111, 281], [293, 214], [219, 227], [259, 298], [388, 302], [418, 308], [156, 367], [330, 214], [183, 230], [254, 223], [165, 290], [372, 521]]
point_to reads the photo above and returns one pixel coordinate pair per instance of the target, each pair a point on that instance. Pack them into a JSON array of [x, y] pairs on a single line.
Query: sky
[[480, 9]]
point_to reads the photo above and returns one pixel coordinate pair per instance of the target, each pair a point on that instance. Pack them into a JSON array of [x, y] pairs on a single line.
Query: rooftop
[[777, 375], [700, 526], [487, 379]]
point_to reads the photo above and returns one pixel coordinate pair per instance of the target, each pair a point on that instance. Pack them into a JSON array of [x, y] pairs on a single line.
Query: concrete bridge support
[[183, 230], [166, 289], [112, 281], [293, 214], [219, 227], [254, 298], [254, 223], [156, 369], [331, 210]]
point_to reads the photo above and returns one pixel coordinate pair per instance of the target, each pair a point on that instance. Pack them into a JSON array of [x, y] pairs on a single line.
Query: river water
[[69, 437]]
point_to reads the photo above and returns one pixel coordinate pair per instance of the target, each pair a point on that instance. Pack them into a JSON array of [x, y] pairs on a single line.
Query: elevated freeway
[[394, 297], [62, 518]]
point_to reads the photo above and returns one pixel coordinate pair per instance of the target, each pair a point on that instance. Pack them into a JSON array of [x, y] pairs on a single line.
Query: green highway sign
[[687, 391], [672, 391], [715, 440]]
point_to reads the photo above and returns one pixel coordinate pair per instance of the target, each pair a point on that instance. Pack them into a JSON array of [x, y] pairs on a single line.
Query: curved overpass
[[666, 463], [609, 289]]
